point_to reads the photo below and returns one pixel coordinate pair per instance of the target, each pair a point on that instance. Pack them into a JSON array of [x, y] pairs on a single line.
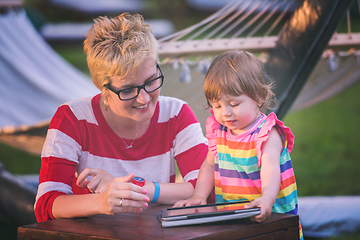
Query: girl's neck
[[253, 123]]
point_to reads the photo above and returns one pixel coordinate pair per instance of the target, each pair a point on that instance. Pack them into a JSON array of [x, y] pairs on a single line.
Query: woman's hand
[[195, 200], [99, 182], [265, 204], [120, 196], [123, 196]]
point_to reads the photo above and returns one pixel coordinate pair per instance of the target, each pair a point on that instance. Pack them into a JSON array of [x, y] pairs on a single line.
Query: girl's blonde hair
[[117, 46], [238, 72]]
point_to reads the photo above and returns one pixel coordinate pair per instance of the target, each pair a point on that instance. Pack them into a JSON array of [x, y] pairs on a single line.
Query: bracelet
[[156, 192]]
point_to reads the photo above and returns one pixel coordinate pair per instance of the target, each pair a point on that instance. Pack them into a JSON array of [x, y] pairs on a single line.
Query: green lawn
[[325, 156]]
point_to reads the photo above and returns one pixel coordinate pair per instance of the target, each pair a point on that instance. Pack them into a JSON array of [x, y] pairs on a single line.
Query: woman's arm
[[169, 192], [108, 202]]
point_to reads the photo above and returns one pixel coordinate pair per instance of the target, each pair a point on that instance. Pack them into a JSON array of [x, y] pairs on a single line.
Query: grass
[[17, 161], [325, 155]]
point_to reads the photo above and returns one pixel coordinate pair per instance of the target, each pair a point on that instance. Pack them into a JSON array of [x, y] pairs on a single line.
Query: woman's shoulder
[[81, 108], [172, 106], [79, 102], [171, 101]]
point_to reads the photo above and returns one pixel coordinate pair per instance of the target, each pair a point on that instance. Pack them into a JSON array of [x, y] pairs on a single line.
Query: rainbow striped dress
[[237, 162]]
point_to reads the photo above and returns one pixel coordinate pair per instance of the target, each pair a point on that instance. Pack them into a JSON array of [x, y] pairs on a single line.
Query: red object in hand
[[139, 181]]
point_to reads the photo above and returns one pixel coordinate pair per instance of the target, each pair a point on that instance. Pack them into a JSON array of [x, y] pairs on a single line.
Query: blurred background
[[324, 116]]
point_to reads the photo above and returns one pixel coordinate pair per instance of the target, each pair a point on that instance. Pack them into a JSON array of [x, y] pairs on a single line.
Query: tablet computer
[[206, 213]]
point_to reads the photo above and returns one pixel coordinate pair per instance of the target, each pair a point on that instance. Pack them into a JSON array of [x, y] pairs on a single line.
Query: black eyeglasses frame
[[117, 92]]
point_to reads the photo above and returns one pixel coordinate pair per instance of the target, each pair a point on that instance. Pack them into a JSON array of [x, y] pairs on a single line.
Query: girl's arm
[[269, 174], [170, 192], [204, 184]]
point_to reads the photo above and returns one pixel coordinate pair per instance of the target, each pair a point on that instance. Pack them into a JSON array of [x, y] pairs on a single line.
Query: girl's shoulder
[[269, 123], [211, 125]]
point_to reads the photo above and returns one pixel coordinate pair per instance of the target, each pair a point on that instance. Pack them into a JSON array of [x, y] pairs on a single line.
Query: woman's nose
[[143, 96]]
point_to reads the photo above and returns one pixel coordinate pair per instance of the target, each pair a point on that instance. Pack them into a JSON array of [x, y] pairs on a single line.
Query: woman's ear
[[105, 96]]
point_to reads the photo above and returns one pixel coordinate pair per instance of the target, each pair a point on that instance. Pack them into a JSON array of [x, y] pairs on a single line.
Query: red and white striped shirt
[[79, 137]]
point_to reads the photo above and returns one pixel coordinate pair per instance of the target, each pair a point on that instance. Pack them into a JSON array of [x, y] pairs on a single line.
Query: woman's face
[[142, 107]]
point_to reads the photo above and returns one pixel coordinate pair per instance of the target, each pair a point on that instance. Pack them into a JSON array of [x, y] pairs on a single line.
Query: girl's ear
[[260, 102]]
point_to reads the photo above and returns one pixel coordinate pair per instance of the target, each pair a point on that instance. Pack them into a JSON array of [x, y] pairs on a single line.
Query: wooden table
[[145, 225]]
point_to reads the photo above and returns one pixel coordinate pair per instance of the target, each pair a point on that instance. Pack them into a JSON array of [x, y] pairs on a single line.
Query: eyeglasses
[[133, 92]]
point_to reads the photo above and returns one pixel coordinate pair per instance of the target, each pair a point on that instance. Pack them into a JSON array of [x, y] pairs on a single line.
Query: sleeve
[[211, 127], [191, 149], [285, 132], [59, 158]]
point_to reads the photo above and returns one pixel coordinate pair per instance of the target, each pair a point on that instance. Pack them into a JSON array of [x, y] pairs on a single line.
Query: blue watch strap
[[156, 192]]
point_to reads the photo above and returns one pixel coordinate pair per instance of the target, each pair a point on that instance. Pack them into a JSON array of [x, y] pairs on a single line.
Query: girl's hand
[[99, 182], [195, 200], [123, 196], [265, 204]]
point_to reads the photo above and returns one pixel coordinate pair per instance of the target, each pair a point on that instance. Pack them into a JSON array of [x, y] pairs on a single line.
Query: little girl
[[248, 151]]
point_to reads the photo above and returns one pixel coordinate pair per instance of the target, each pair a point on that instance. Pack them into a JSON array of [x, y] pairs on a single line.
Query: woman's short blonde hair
[[117, 46], [237, 72]]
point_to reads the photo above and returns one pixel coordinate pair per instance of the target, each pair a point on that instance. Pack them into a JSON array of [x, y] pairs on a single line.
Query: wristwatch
[[139, 181]]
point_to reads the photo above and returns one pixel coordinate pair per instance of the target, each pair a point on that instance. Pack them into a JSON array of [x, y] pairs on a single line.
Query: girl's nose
[[226, 111]]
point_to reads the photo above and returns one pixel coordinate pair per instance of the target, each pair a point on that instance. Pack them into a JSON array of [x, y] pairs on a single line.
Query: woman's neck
[[121, 126]]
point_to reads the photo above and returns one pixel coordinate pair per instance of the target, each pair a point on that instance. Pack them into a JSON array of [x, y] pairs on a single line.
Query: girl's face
[[236, 112], [142, 107]]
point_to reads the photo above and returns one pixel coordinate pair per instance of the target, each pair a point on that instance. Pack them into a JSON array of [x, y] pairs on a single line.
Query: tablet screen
[[207, 209]]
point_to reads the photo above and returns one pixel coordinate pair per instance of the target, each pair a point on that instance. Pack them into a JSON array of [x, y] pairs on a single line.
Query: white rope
[[275, 9], [223, 25], [215, 21], [254, 19], [180, 34], [276, 22], [235, 24]]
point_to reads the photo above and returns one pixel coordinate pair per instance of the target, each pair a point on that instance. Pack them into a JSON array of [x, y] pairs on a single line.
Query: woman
[[102, 142]]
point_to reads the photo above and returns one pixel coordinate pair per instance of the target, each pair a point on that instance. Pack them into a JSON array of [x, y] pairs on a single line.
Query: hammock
[[258, 26], [34, 79]]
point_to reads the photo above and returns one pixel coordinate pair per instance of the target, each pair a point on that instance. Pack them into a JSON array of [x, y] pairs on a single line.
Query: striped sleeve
[[189, 144], [59, 158]]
